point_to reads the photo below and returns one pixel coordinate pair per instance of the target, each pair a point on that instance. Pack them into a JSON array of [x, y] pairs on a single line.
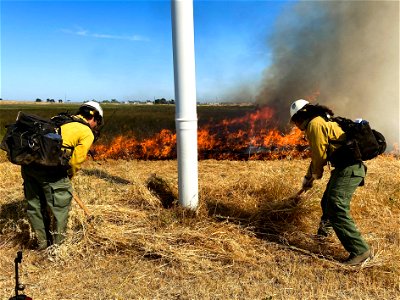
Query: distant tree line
[[156, 101], [164, 101], [49, 100]]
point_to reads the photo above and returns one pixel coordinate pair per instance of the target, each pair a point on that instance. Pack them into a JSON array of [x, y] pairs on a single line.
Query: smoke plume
[[342, 54]]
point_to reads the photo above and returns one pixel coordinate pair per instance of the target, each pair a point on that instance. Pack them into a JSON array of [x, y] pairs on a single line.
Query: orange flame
[[250, 137]]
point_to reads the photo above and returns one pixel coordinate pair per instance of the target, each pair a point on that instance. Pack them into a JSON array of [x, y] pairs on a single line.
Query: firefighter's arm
[[81, 150], [308, 180], [317, 134]]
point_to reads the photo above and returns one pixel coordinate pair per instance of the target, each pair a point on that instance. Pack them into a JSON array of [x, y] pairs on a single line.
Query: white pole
[[185, 101]]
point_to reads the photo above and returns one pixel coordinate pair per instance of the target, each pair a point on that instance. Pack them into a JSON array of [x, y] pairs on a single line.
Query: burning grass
[[249, 239], [253, 136]]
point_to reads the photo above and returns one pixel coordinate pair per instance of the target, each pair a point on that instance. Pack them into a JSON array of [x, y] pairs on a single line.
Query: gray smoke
[[343, 54]]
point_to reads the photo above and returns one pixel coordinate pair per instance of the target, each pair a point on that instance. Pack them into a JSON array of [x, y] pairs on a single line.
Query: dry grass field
[[248, 240]]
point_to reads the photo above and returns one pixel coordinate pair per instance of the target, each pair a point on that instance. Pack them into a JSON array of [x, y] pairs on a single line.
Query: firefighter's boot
[[325, 229], [59, 238], [42, 242]]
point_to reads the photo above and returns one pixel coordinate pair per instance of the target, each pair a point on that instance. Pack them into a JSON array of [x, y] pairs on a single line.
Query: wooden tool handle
[[300, 192], [80, 203]]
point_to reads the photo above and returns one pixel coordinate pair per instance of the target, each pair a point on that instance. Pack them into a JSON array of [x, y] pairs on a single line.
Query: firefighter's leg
[[325, 227], [341, 187], [36, 210], [59, 200]]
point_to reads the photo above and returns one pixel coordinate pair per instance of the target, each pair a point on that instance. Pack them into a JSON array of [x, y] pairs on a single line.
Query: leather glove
[[307, 183]]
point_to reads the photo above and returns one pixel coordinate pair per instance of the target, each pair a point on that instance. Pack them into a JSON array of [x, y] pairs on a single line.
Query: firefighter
[[48, 190], [325, 139]]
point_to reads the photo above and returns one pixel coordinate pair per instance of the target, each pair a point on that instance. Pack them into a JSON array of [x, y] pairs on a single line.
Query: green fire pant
[[48, 192], [335, 205]]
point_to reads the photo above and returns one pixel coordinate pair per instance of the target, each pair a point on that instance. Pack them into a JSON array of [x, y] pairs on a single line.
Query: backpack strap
[[337, 120], [65, 118], [348, 153]]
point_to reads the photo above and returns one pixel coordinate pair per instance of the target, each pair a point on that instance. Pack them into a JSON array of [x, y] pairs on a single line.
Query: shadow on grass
[[280, 222], [14, 224], [163, 190], [105, 176], [272, 218]]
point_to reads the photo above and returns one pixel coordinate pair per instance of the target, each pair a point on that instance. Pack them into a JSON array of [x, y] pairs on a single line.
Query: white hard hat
[[297, 105], [95, 105]]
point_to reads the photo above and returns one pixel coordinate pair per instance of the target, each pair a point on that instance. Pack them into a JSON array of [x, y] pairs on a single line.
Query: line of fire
[[253, 136]]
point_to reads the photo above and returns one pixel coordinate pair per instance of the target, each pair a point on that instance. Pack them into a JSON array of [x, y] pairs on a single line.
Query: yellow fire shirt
[[319, 132], [80, 137]]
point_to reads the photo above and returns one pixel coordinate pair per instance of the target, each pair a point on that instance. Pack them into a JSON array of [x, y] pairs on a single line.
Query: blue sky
[[82, 50]]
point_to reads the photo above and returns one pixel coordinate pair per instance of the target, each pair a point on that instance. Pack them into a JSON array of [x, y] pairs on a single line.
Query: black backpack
[[35, 139], [362, 142]]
